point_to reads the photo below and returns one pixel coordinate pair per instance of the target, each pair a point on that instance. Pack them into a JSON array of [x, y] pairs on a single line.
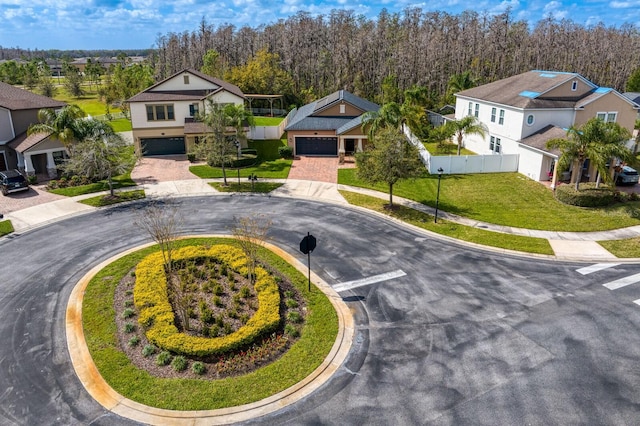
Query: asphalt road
[[460, 336]]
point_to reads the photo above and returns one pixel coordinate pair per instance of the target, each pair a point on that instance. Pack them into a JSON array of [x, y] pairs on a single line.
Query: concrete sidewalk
[[566, 245]]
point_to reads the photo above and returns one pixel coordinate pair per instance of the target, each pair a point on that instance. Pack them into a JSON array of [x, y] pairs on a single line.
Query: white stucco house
[[163, 115], [524, 111], [32, 154]]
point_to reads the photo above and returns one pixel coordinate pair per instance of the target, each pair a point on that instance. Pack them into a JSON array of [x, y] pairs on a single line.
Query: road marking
[[637, 301], [595, 268], [614, 285], [348, 285]]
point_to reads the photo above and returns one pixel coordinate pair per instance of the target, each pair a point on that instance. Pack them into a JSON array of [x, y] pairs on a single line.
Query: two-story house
[[163, 115], [33, 154], [523, 112]]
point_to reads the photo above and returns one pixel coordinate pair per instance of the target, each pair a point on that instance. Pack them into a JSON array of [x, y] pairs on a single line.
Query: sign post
[[307, 245]]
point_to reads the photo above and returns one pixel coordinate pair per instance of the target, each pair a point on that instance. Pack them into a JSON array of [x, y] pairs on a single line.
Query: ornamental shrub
[[587, 196], [179, 363], [285, 151], [164, 358], [155, 311], [198, 368], [148, 350]]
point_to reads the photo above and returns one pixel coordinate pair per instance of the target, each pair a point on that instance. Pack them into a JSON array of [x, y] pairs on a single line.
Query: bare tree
[[162, 223], [251, 233]]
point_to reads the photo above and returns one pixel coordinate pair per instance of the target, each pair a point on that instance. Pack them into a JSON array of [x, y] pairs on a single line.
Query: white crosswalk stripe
[[595, 268], [369, 280], [622, 282]]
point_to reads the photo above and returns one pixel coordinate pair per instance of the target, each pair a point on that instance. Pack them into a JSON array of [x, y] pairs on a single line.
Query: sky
[[136, 24]]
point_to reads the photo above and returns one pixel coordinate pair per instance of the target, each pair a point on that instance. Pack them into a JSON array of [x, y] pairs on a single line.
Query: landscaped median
[[99, 323], [6, 227]]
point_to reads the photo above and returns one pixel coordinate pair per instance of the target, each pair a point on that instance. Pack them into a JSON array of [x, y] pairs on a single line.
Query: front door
[[350, 146]]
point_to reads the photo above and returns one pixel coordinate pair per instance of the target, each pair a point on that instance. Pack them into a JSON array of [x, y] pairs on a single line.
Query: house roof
[[23, 142], [150, 94], [304, 118], [350, 125], [633, 96], [539, 139], [527, 90], [14, 99]]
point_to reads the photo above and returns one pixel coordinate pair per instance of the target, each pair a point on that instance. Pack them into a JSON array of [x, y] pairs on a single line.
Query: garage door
[[316, 146], [162, 146]]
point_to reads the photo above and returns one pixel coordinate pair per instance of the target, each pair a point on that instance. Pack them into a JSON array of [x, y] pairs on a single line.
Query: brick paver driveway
[[21, 200], [321, 169], [162, 169]]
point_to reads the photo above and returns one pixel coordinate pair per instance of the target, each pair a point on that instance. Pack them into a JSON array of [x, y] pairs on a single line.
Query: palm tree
[[388, 116], [238, 117], [458, 83], [64, 125], [468, 125], [596, 140]]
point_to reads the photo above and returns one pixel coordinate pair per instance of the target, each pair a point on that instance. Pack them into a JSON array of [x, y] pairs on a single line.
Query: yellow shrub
[[155, 312]]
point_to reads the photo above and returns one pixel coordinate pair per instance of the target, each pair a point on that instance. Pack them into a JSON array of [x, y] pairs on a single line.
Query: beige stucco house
[[32, 154], [329, 126], [163, 116]]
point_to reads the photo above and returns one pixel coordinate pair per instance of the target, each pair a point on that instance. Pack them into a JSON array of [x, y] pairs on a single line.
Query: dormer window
[[574, 86], [186, 78]]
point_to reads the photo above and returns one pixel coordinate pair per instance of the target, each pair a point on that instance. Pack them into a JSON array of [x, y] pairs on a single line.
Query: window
[[470, 108], [501, 120], [160, 113], [186, 79], [193, 110], [493, 115], [343, 108], [477, 113], [608, 117], [574, 86], [494, 144], [530, 119]]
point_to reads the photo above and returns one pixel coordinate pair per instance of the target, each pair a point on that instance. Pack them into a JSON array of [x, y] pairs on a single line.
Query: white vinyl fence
[[264, 132], [464, 164]]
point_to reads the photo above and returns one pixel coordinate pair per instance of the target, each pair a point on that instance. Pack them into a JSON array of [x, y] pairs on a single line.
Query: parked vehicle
[[627, 176], [12, 181]]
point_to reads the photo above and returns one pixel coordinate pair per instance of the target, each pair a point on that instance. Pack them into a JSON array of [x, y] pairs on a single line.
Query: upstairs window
[[501, 119], [477, 113], [607, 117], [343, 108], [574, 86], [493, 115], [530, 119], [186, 78], [193, 110], [160, 113], [470, 108]]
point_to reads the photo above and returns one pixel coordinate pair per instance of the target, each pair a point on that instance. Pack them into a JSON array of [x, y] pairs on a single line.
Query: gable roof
[[527, 90], [538, 140], [305, 118], [23, 142], [150, 94], [14, 99], [633, 96]]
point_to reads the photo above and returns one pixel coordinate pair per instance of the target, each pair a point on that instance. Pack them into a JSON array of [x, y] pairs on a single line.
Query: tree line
[[343, 50]]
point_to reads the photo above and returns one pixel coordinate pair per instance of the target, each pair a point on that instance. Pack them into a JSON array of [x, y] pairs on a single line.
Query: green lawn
[[98, 317], [270, 165], [432, 147], [450, 229], [6, 227], [623, 248], [119, 197], [121, 181], [505, 199], [259, 187], [267, 121]]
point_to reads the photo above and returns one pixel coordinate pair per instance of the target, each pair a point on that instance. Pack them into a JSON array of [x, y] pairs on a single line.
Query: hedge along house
[[330, 126], [32, 154], [164, 116], [523, 112]]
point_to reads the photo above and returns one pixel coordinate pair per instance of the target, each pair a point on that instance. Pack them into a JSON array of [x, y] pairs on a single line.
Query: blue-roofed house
[[524, 111], [329, 126]]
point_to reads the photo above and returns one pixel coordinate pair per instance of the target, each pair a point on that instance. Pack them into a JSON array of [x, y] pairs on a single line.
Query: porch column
[[20, 161], [340, 145], [52, 170], [28, 165], [554, 178], [360, 145]]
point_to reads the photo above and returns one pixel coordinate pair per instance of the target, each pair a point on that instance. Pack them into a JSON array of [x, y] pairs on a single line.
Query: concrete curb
[[98, 388]]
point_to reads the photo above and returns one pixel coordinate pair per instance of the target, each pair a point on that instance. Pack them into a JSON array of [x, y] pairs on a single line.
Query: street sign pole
[[307, 245]]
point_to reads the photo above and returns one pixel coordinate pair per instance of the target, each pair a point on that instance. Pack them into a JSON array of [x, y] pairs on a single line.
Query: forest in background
[[343, 50]]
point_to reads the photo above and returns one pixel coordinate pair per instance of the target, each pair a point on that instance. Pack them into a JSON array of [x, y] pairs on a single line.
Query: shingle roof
[[13, 98], [304, 119], [633, 96], [350, 125], [149, 95], [526, 90], [22, 142], [540, 138]]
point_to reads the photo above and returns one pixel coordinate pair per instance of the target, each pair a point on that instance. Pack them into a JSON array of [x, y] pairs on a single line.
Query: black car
[[12, 181]]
